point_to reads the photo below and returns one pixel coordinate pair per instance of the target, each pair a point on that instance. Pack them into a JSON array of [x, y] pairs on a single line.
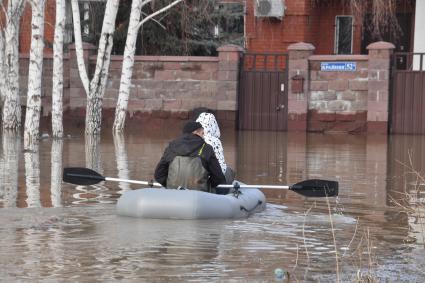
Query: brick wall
[[46, 94], [338, 100], [305, 21], [272, 35], [346, 100], [163, 87], [49, 28]]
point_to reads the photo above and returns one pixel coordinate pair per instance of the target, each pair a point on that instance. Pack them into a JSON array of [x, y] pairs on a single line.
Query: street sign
[[338, 66]]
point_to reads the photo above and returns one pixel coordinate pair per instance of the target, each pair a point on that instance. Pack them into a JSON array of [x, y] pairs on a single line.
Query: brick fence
[[169, 87], [347, 100], [163, 87]]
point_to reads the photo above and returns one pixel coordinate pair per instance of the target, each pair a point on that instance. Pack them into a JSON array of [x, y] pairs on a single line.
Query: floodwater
[[53, 231]]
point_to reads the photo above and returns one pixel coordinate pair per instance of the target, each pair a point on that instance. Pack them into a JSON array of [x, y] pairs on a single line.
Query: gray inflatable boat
[[189, 204]]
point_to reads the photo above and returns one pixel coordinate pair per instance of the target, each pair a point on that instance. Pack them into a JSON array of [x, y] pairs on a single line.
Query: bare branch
[[158, 12]]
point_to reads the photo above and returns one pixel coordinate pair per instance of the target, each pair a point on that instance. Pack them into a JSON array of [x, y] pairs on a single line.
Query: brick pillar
[[228, 75], [77, 93], [298, 101], [378, 86]]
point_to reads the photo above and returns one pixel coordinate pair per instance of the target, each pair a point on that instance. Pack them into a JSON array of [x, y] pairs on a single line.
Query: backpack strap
[[201, 149]]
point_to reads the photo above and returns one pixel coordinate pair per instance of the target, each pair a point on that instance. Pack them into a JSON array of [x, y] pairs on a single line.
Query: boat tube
[[189, 204]]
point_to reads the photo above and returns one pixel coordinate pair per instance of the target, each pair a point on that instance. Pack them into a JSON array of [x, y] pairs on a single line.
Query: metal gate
[[263, 98], [407, 102]]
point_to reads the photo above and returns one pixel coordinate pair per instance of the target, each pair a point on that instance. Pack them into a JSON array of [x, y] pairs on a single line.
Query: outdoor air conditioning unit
[[269, 8]]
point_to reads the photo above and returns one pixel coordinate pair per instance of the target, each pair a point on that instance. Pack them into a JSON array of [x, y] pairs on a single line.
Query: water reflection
[[93, 153], [371, 231], [406, 168], [122, 161], [32, 176], [56, 175], [9, 164]]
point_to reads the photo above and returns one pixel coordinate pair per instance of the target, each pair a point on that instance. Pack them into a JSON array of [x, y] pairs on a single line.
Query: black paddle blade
[[316, 188], [81, 176]]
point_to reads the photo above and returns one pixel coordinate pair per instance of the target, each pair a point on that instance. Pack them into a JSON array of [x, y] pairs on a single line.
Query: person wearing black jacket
[[189, 162]]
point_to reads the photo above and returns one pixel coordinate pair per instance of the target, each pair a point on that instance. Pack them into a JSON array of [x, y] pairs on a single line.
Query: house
[[309, 92], [332, 26]]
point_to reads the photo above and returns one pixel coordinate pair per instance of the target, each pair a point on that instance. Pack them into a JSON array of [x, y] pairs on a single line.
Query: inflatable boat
[[190, 204]]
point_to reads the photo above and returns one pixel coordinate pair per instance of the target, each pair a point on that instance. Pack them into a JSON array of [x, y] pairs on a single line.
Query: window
[[344, 35]]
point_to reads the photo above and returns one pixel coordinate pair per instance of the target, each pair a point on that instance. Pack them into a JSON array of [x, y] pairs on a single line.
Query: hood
[[187, 145], [209, 123]]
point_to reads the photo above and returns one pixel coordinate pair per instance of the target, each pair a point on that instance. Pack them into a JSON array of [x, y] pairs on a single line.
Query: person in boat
[[212, 137], [189, 162]]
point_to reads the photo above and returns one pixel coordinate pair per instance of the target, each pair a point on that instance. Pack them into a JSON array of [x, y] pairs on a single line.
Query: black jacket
[[189, 145]]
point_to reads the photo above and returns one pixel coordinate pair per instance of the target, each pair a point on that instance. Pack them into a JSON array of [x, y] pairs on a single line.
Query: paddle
[[308, 188], [86, 176]]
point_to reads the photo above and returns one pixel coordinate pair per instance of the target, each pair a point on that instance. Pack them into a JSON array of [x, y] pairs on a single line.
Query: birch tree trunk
[[96, 88], [128, 62], [98, 83], [57, 90], [12, 105], [127, 66], [35, 70], [79, 45]]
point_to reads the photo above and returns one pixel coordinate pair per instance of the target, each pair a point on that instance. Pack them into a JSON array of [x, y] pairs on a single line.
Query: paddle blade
[[316, 188], [81, 176]]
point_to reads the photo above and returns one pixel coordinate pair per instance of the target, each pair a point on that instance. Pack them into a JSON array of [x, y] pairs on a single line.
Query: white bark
[[11, 151], [122, 161], [56, 176], [98, 83], [79, 45], [32, 177], [93, 156], [35, 70], [57, 90], [12, 106], [96, 89], [128, 62], [127, 66]]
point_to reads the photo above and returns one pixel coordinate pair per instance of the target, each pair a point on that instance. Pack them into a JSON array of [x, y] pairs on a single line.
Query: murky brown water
[[50, 230]]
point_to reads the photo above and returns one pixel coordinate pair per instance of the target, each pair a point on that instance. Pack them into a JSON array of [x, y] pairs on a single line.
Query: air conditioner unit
[[269, 8]]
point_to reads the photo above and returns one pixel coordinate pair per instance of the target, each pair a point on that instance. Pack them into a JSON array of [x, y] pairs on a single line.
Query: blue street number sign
[[338, 66]]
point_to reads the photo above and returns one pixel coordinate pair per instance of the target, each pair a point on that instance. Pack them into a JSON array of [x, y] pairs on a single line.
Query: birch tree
[[57, 90], [96, 88], [10, 67], [128, 61], [35, 70]]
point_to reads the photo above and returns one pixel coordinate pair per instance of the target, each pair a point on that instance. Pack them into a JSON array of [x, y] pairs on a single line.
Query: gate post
[[298, 101], [378, 86], [228, 74]]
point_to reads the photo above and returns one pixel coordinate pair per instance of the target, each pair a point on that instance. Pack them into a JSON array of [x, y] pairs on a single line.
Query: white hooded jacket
[[212, 136]]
